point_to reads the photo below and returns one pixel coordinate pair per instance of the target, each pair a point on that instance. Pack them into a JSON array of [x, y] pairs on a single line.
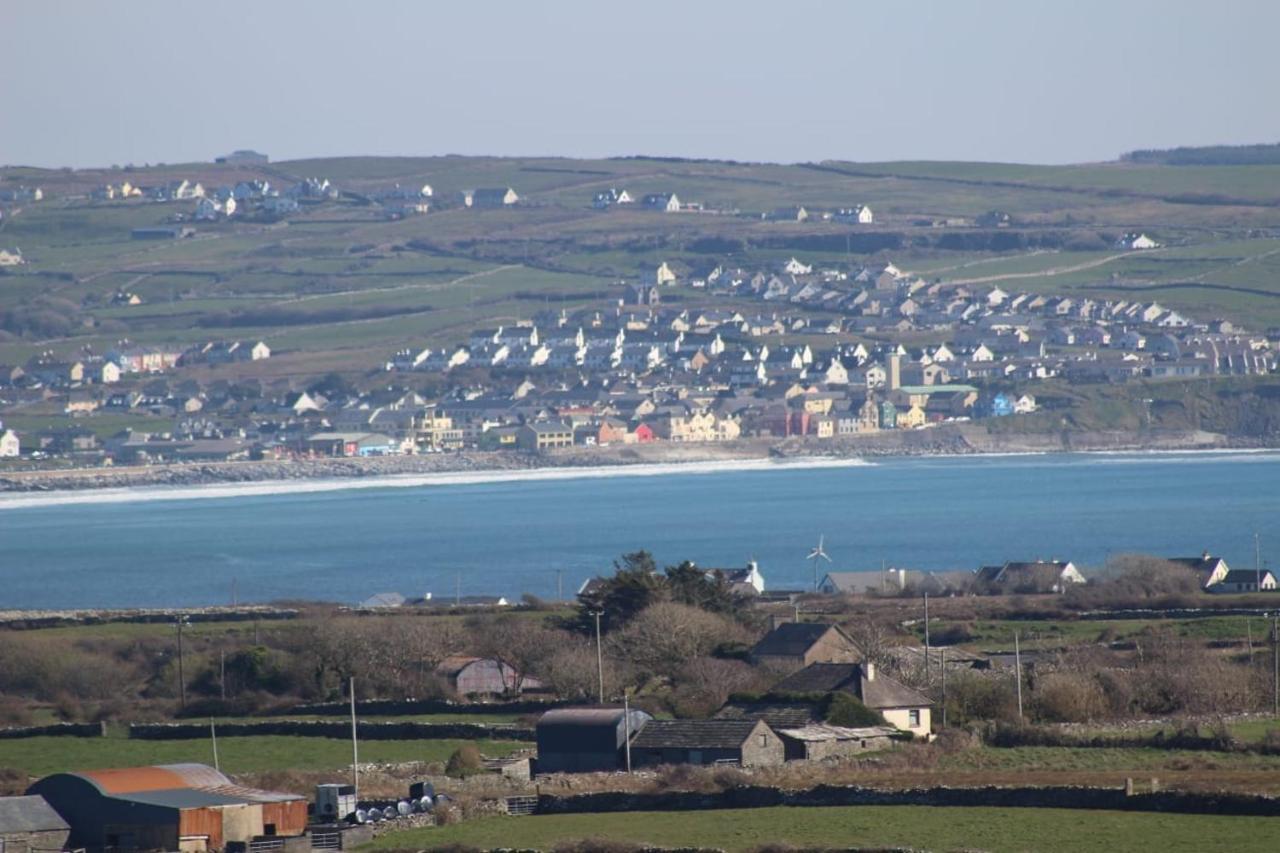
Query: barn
[[28, 824], [748, 743], [584, 740], [185, 807]]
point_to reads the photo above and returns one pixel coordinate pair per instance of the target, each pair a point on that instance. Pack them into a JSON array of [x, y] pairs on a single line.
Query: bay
[[515, 536]]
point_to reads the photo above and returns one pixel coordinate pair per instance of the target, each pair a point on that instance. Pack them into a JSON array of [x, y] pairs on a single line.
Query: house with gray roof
[[795, 645], [747, 743], [901, 707], [29, 824]]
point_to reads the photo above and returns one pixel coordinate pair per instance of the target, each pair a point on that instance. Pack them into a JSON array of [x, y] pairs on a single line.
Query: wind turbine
[[818, 553]]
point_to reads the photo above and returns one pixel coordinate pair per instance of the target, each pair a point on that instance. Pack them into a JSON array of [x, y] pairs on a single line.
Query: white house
[[9, 444], [666, 202], [857, 215], [1138, 241], [11, 258], [794, 267]]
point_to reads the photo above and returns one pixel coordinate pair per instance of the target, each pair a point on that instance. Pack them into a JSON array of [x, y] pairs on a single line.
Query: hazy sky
[[98, 83]]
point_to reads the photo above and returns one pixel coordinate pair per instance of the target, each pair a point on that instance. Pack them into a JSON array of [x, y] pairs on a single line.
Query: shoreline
[[44, 487]]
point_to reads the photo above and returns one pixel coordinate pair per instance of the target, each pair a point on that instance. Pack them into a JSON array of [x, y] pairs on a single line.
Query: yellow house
[[912, 417]]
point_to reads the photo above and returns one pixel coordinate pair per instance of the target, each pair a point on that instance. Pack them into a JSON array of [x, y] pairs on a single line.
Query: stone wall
[[55, 730], [404, 707], [365, 730], [1060, 797]]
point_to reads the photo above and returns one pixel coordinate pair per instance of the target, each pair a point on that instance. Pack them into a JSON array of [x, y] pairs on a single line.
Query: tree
[[634, 586], [664, 637], [690, 585]]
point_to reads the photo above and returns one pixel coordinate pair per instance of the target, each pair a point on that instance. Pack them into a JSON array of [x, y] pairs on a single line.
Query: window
[[764, 740], [913, 717]]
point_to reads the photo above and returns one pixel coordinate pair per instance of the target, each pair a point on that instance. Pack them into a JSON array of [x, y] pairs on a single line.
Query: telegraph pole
[[599, 653], [213, 733], [1017, 668], [626, 724], [1275, 664], [944, 687], [926, 638], [182, 681], [1257, 559], [355, 749]]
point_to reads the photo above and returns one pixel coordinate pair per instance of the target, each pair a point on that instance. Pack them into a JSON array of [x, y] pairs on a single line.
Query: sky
[[91, 83]]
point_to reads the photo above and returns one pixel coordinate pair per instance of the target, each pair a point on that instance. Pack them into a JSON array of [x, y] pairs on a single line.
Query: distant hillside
[[1208, 155]]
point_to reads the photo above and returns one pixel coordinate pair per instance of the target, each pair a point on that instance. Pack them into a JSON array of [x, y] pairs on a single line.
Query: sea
[[545, 532]]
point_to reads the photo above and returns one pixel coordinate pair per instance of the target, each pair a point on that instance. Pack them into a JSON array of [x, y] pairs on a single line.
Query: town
[[813, 350]]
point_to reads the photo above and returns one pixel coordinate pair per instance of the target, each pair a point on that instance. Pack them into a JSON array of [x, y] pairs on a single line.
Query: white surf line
[[26, 500]]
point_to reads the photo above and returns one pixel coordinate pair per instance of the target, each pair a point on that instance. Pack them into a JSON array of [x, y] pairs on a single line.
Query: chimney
[[869, 670], [894, 378]]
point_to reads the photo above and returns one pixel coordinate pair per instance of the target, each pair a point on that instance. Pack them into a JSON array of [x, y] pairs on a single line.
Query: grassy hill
[[339, 286]]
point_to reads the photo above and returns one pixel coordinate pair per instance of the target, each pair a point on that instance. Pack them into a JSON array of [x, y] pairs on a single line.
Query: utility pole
[[1017, 668], [559, 585], [182, 681], [1275, 664], [599, 653], [626, 724], [1257, 559], [944, 687], [213, 733], [926, 638], [355, 749], [457, 589], [222, 673]]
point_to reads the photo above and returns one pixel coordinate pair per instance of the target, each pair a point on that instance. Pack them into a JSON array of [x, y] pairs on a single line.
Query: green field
[[930, 828], [43, 755], [341, 288]]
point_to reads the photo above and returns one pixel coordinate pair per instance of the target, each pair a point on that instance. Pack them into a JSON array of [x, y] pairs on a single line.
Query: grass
[[935, 828], [43, 755]]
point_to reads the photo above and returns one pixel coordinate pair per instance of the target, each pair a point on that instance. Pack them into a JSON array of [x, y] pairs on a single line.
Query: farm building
[[819, 741], [749, 743], [29, 824], [188, 807], [473, 676], [794, 645], [901, 706], [584, 740]]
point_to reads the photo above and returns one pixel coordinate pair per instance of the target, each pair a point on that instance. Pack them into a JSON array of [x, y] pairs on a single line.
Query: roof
[[581, 717], [174, 785], [791, 639], [28, 814], [384, 599], [694, 734], [455, 664], [1245, 576], [1204, 563], [776, 714], [823, 732], [877, 692]]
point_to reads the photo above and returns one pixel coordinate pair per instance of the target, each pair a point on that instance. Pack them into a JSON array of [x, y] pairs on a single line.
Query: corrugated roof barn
[[583, 740], [190, 807]]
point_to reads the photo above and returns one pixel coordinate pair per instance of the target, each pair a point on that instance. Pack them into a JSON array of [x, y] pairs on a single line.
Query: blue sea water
[[513, 537]]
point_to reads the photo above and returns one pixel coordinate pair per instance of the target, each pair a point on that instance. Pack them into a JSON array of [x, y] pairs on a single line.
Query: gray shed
[[29, 823], [584, 740]]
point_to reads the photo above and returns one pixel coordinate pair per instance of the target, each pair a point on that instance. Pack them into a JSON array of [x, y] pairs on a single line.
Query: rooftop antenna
[[818, 553]]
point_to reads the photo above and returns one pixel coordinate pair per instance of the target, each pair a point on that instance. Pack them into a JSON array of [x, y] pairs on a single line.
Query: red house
[[644, 434]]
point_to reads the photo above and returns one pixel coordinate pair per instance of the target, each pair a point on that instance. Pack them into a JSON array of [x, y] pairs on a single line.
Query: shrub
[[1068, 697], [846, 710], [465, 761]]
